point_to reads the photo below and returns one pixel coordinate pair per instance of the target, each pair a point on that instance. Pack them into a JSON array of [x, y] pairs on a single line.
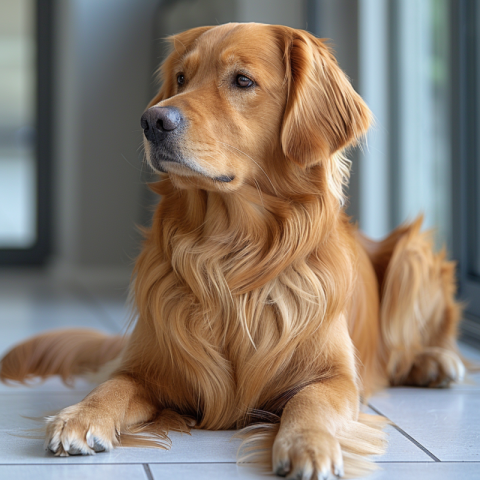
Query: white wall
[[102, 74], [274, 12]]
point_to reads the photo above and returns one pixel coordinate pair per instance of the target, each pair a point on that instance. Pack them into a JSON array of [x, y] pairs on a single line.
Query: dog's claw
[[338, 471], [282, 468]]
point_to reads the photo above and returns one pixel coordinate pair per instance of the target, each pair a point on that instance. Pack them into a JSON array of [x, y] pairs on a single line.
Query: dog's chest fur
[[225, 346]]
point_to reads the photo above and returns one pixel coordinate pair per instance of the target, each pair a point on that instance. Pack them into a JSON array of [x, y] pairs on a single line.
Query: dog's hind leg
[[418, 312]]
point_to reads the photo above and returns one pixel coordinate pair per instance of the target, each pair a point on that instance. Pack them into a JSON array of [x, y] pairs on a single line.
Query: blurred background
[[76, 75]]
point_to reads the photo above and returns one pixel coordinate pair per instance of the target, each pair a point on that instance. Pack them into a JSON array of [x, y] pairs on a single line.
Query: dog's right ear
[[180, 44]]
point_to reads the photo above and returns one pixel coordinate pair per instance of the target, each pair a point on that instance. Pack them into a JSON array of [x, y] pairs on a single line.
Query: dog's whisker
[[256, 163], [131, 164], [259, 192]]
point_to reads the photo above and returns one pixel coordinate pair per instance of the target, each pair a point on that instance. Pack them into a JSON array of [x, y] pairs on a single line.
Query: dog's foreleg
[[306, 445], [95, 424]]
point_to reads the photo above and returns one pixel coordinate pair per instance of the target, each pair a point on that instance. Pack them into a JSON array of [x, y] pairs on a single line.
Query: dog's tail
[[418, 313], [67, 353]]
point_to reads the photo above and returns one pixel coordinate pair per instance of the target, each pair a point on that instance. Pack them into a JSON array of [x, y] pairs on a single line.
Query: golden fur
[[256, 300]]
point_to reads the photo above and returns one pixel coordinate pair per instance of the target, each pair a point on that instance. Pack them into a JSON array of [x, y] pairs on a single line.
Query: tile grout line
[[148, 472], [476, 462], [51, 464], [423, 461], [415, 442], [406, 435]]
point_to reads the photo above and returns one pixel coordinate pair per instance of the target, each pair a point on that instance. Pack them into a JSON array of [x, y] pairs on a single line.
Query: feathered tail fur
[[66, 353], [419, 315]]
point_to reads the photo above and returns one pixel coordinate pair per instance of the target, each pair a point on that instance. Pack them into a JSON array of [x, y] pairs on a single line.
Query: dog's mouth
[[163, 127], [165, 161]]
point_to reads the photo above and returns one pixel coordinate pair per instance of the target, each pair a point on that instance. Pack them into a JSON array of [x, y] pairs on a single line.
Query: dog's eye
[[180, 79], [243, 82]]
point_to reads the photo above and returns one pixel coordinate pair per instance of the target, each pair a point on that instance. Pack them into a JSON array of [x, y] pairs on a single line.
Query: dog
[[258, 304]]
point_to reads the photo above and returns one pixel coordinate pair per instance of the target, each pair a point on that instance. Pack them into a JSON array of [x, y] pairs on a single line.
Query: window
[[420, 115], [25, 85], [405, 79], [419, 71], [466, 173]]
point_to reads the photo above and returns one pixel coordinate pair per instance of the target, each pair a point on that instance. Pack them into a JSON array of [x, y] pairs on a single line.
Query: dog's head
[[242, 102]]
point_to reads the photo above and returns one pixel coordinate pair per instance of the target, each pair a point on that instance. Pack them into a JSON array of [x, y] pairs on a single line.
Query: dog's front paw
[[80, 430], [307, 455]]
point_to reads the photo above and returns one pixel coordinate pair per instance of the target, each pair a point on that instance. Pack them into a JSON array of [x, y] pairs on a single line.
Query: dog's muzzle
[[163, 128]]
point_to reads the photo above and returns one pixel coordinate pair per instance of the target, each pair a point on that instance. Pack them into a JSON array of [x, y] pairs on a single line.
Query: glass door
[[25, 83], [466, 171]]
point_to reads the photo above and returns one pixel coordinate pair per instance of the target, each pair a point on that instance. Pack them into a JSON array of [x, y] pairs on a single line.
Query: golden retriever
[[257, 303]]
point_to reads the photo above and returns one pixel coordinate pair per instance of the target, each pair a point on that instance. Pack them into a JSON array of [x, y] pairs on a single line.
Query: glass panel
[[476, 225], [474, 204], [17, 116], [424, 157]]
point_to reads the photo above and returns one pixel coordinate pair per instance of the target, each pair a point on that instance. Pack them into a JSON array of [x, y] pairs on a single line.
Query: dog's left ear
[[323, 113]]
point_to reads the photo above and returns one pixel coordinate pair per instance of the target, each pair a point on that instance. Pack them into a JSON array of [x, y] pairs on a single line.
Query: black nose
[[158, 122]]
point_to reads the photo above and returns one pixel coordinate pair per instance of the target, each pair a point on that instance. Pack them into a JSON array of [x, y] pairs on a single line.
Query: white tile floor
[[436, 433]]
